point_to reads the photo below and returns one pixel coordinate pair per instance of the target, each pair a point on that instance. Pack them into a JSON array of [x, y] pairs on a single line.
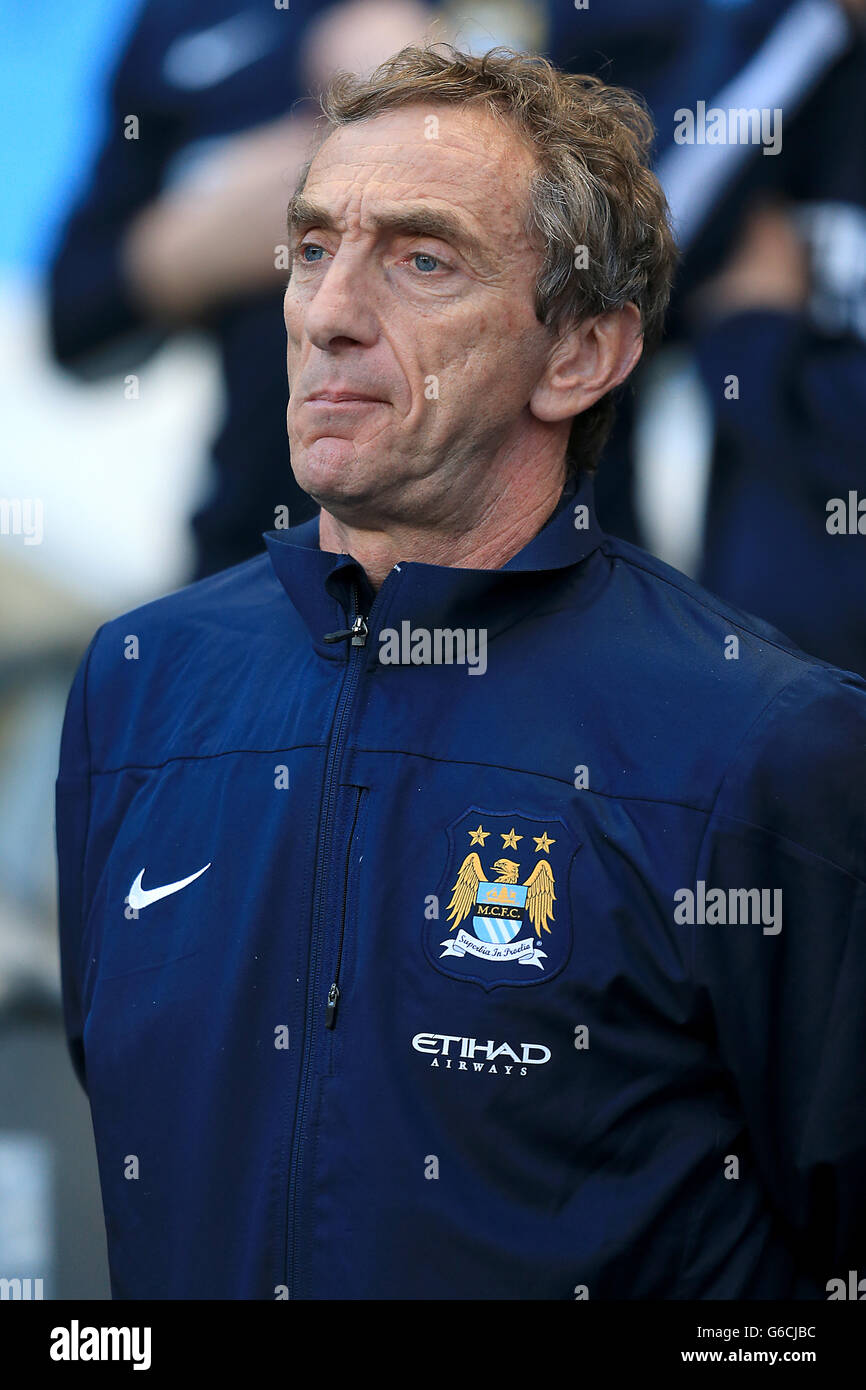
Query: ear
[[586, 362]]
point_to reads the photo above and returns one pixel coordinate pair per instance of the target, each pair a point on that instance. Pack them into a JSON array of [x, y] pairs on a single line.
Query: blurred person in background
[[183, 215], [789, 443], [771, 296]]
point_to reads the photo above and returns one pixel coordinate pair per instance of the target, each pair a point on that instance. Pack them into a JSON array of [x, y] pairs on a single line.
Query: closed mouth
[[340, 397]]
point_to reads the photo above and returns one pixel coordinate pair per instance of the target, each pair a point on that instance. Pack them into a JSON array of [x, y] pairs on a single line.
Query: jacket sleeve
[[90, 305], [72, 812], [788, 996]]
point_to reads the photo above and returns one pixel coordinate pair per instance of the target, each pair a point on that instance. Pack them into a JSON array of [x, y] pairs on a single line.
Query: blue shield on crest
[[498, 898]]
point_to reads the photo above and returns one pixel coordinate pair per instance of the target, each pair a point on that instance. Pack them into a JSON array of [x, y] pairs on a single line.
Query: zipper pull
[[331, 1010], [358, 633]]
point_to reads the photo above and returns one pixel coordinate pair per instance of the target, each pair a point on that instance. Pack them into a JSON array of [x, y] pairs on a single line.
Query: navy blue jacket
[[429, 1018]]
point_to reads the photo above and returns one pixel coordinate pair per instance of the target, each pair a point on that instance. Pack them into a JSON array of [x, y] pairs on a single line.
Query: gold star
[[477, 837], [509, 841], [542, 842]]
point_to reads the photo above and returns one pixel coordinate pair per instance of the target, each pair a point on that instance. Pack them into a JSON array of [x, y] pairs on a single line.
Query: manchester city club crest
[[507, 920]]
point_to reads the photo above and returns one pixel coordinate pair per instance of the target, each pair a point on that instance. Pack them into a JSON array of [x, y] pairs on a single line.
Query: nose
[[341, 312]]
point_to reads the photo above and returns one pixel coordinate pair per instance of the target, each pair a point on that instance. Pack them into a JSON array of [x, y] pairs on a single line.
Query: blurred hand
[[768, 269], [213, 236]]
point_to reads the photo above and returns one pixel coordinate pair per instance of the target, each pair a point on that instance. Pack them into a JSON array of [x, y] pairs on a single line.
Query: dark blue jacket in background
[[533, 1091], [785, 447]]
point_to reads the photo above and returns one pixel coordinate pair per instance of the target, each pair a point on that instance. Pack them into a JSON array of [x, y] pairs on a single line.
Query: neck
[[485, 537]]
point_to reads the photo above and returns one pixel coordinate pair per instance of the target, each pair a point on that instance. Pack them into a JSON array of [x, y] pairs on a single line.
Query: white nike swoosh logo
[[142, 897]]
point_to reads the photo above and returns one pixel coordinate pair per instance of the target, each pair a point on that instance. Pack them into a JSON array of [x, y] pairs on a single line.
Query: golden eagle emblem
[[539, 894]]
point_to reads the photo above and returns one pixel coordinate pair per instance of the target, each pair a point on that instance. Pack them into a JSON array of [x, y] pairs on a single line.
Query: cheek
[[459, 350], [498, 326], [490, 356], [293, 316]]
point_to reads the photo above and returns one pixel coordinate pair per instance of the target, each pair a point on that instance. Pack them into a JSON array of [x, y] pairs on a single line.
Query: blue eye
[[423, 256], [309, 246]]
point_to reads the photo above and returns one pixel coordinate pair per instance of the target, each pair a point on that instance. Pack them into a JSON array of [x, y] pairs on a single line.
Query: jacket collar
[[324, 587]]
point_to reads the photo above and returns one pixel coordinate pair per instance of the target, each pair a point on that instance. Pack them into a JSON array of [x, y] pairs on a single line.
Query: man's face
[[412, 286]]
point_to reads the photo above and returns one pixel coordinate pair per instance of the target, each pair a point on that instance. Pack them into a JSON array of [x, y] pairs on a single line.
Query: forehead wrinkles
[[481, 172]]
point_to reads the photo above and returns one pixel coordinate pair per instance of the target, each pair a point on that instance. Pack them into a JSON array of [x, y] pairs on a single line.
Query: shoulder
[[235, 599], [153, 671], [752, 723]]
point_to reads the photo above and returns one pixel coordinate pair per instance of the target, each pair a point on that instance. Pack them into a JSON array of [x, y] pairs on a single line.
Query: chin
[[330, 470]]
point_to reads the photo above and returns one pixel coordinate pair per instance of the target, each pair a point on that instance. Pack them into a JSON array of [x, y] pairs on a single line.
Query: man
[[456, 902]]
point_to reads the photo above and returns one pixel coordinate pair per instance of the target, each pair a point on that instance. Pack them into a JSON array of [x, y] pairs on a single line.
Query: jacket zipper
[[358, 633], [334, 992]]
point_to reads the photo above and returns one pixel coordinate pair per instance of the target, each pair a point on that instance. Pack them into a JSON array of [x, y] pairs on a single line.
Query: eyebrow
[[412, 220]]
